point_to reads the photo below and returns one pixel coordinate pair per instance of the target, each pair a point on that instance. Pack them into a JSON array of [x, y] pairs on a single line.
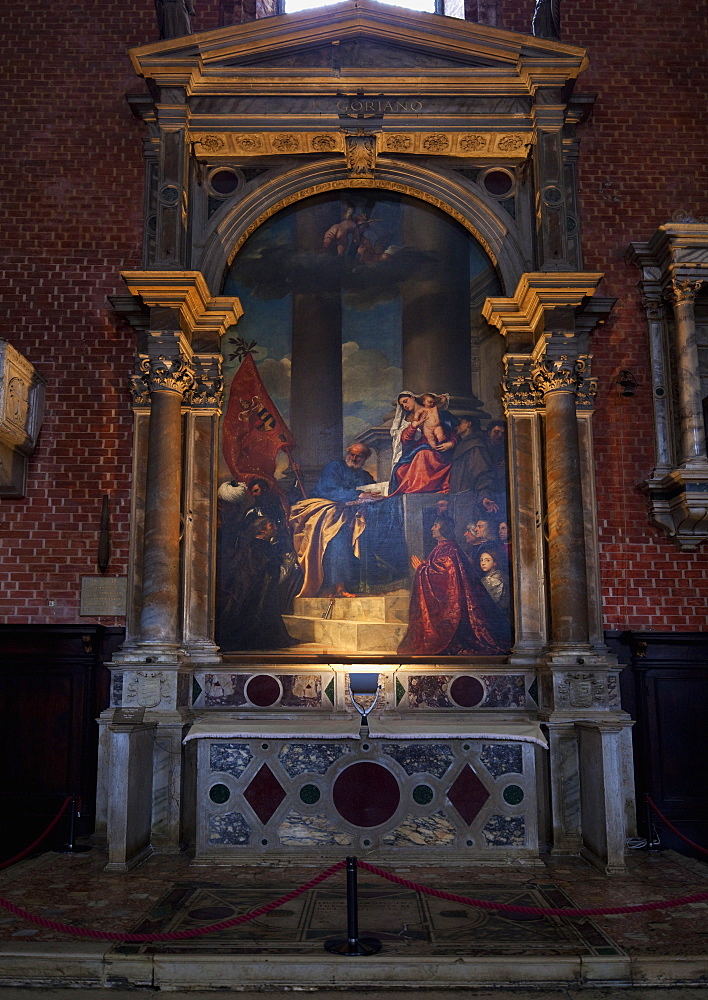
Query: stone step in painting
[[347, 636], [388, 608]]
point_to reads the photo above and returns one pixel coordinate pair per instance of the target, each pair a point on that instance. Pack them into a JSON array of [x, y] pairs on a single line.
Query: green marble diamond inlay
[[513, 795], [400, 690], [310, 794], [219, 794], [196, 689], [329, 690]]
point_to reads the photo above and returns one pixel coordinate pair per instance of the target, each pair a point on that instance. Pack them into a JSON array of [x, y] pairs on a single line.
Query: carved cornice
[[678, 504], [522, 317], [230, 59], [187, 293]]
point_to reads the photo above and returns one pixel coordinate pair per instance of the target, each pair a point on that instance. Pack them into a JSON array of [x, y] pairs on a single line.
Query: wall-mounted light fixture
[[627, 382]]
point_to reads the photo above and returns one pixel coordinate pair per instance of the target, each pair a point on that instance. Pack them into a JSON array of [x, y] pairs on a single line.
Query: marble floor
[[428, 944]]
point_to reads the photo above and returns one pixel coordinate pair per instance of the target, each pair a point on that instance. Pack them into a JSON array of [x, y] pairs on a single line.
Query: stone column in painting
[[436, 348], [316, 372], [693, 436]]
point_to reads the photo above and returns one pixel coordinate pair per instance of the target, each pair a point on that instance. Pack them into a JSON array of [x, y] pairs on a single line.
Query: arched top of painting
[[369, 190], [361, 244]]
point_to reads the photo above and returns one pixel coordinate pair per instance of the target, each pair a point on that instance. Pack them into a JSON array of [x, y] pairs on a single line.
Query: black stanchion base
[[361, 946], [71, 849]]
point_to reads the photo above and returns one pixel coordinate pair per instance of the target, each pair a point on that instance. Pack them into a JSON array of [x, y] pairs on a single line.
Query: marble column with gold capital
[[168, 380], [693, 437], [558, 381]]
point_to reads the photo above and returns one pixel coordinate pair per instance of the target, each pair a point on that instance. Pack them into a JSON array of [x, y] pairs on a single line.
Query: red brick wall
[[70, 197], [642, 157]]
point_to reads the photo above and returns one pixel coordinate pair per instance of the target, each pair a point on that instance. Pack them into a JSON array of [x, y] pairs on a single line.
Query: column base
[[150, 654]]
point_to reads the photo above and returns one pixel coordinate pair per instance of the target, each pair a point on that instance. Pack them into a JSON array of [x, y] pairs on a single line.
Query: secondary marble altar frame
[[270, 103]]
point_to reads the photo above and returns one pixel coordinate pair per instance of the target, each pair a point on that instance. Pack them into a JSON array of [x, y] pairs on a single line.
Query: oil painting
[[363, 500]]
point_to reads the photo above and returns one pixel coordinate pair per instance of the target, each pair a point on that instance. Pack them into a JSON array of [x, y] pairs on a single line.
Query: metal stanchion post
[[653, 839], [70, 847], [353, 945]]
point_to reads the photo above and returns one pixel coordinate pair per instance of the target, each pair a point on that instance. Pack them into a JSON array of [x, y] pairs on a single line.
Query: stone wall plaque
[[103, 595]]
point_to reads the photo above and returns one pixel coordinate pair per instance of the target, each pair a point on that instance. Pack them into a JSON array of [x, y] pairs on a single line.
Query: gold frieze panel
[[230, 144], [470, 145]]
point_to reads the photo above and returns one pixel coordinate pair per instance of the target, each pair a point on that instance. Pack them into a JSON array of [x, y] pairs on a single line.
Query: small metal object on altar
[[366, 687]]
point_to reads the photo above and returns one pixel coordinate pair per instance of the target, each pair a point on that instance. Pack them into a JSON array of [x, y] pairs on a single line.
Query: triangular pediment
[[348, 41]]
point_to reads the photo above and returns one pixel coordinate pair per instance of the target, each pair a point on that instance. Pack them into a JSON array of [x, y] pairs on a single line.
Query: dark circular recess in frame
[[513, 795], [219, 794], [498, 182], [223, 182], [310, 794], [467, 691], [366, 794], [423, 794], [263, 690]]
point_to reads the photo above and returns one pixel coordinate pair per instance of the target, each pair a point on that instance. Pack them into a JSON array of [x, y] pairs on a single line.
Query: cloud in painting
[[353, 426], [276, 376], [368, 377]]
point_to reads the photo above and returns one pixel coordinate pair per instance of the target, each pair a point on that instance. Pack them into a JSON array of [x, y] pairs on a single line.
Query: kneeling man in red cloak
[[451, 613]]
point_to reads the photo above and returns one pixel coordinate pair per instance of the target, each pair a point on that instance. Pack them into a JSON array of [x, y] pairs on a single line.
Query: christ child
[[427, 418]]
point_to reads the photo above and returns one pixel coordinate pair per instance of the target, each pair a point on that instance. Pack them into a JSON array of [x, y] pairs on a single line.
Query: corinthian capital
[[560, 374], [519, 391], [653, 305], [684, 289], [165, 374], [208, 388]]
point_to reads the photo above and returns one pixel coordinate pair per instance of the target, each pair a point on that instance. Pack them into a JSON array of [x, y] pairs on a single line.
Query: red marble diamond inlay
[[467, 794], [264, 794]]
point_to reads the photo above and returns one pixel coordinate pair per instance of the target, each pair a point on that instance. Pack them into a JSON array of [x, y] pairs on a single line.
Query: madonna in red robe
[[451, 613], [421, 469]]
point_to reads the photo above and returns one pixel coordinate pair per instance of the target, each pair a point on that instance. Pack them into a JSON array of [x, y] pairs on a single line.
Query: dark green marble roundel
[[513, 795], [422, 794], [310, 794], [219, 794]]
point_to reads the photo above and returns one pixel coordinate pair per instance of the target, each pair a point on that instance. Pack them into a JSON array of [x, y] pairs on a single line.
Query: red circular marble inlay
[[366, 794], [263, 690], [467, 691]]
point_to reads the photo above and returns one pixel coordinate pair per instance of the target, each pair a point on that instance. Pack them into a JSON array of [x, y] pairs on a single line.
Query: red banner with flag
[[254, 431]]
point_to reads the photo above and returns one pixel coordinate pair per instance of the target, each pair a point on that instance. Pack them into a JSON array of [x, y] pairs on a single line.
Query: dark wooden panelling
[[53, 685], [665, 688]]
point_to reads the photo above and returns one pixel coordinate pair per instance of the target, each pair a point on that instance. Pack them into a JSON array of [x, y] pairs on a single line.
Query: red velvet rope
[[40, 838], [540, 911], [87, 932], [670, 825]]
